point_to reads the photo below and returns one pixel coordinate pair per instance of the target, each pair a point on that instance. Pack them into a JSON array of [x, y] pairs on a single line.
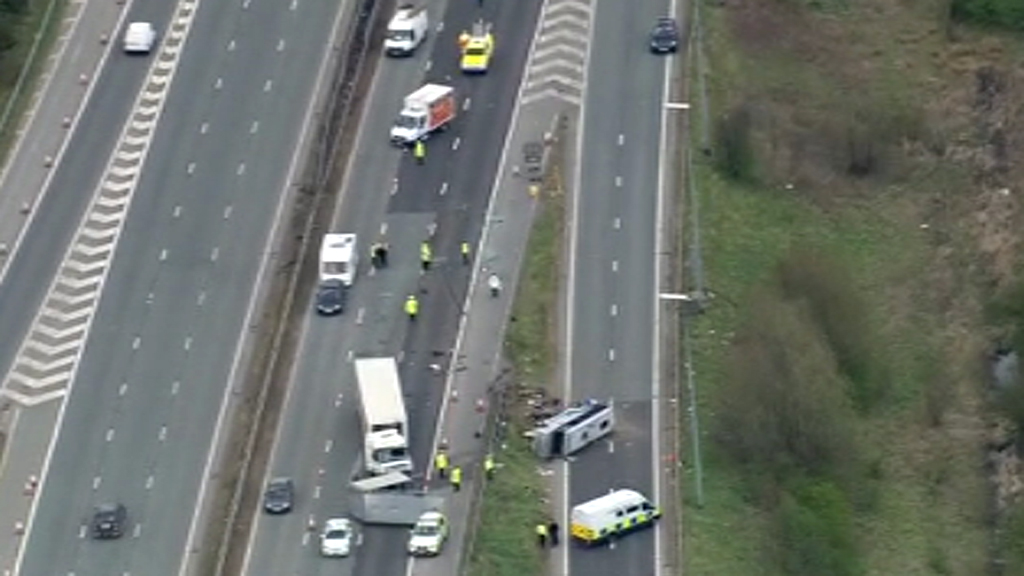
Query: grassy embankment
[[855, 227], [514, 501]]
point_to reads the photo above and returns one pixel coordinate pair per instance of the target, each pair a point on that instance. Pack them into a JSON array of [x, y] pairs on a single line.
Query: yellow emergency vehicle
[[477, 46], [611, 516]]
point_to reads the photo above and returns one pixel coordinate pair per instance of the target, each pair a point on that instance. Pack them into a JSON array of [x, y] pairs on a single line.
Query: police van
[[613, 515]]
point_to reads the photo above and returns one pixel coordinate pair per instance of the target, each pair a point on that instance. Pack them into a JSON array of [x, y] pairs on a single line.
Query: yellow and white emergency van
[[611, 516]]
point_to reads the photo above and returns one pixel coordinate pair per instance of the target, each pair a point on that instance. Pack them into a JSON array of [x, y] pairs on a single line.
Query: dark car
[[108, 521], [279, 496], [665, 36], [331, 298]]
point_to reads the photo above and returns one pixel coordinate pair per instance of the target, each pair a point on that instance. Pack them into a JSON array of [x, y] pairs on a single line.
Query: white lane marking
[[149, 482], [614, 311], [136, 342], [611, 354], [456, 143], [204, 127], [255, 127], [359, 316], [163, 254], [96, 482], [305, 539], [253, 300], [227, 211], [444, 188], [383, 228], [245, 4], [328, 446], [123, 389], [218, 83], [135, 534], [394, 187], [622, 139], [191, 167], [175, 386], [268, 85], [611, 446], [615, 265], [110, 435], [188, 343], [618, 181], [241, 169], [201, 298], [162, 435], [316, 492], [177, 212], [150, 298], [82, 531], [294, 5], [429, 64], [350, 356], [659, 246], [280, 45], [617, 223], [231, 46], [214, 254], [465, 104], [29, 121]]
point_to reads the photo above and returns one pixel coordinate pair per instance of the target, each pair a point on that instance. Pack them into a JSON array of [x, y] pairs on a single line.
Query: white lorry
[[338, 258], [382, 411], [406, 30], [427, 110]]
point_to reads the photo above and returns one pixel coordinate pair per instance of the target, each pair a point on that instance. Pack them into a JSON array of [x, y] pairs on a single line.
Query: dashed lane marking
[[48, 358], [557, 66]]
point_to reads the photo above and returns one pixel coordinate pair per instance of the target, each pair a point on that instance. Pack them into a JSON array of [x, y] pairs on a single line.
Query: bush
[[1000, 13], [816, 533], [736, 149]]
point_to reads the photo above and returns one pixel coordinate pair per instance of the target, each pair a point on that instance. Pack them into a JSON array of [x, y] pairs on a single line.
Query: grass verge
[[917, 234], [512, 504], [13, 61]]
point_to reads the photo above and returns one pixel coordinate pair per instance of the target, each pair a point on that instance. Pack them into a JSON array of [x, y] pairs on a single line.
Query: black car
[[279, 496], [108, 521], [665, 36], [331, 298]]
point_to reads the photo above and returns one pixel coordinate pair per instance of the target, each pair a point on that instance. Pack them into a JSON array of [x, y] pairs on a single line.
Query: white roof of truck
[[404, 15], [427, 94], [380, 390], [337, 247]]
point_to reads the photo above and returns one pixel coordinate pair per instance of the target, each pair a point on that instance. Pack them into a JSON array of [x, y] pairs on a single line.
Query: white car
[[139, 38], [336, 538], [428, 535]]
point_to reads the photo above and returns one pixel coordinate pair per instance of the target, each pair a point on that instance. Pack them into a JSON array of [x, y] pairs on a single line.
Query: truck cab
[[406, 31], [427, 110]]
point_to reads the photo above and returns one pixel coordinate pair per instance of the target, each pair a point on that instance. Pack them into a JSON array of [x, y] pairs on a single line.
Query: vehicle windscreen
[[335, 268], [391, 455], [407, 121], [425, 530], [475, 51], [336, 534], [399, 35]]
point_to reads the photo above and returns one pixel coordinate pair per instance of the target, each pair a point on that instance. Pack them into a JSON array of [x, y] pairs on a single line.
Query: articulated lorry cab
[[384, 421]]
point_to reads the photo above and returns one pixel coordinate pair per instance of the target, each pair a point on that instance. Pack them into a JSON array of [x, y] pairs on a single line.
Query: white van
[[406, 30], [338, 258], [613, 515], [139, 38]]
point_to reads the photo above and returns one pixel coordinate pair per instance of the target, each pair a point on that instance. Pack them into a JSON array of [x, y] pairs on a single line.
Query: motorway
[[139, 420], [387, 195], [611, 348]]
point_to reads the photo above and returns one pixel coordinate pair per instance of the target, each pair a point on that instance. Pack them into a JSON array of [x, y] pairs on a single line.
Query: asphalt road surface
[[613, 306], [320, 428], [140, 418], [57, 216]]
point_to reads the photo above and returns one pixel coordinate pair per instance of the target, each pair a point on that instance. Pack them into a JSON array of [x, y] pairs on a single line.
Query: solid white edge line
[[66, 399], [254, 300], [478, 264], [570, 292], [659, 239], [58, 157]]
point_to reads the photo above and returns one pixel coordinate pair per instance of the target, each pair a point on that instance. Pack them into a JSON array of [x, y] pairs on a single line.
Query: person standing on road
[[489, 467], [542, 534], [553, 533], [382, 254], [456, 478], [426, 255], [375, 255], [419, 151], [441, 464], [412, 307], [465, 253]]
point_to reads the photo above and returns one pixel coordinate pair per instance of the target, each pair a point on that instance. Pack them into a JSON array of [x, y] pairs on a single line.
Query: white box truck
[[427, 110], [406, 30], [382, 411]]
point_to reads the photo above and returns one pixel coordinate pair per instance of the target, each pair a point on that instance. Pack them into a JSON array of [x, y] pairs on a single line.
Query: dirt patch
[[254, 425]]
